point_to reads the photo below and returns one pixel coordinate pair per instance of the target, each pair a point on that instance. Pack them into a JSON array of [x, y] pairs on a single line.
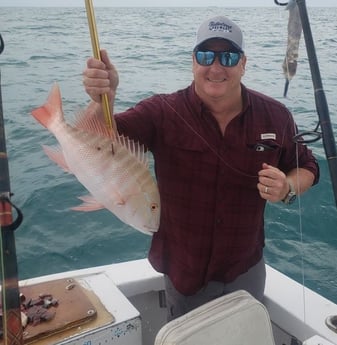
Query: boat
[[130, 295], [124, 303]]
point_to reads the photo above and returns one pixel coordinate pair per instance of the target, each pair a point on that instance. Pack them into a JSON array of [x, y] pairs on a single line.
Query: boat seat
[[233, 319]]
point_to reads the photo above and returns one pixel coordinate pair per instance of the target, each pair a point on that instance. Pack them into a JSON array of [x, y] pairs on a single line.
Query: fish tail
[[50, 110]]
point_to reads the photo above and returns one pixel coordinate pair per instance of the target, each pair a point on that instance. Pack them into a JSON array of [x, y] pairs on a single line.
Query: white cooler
[[235, 319]]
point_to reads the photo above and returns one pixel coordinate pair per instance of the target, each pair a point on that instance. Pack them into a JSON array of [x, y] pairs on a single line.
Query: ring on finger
[[266, 190]]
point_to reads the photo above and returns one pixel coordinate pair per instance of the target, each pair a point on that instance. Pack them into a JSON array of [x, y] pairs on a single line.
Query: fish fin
[[135, 148], [51, 109], [90, 123], [89, 204], [56, 155]]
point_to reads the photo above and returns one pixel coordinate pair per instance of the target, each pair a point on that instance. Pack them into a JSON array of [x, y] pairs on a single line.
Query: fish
[[113, 168], [289, 64]]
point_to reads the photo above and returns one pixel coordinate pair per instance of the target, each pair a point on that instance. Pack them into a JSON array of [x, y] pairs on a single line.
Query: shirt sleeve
[[296, 154], [139, 123]]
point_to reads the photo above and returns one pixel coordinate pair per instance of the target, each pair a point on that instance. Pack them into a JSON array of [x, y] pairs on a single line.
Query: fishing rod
[[10, 296], [322, 108]]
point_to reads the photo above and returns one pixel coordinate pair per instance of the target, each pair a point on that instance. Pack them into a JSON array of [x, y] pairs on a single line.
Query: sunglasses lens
[[229, 59], [207, 58]]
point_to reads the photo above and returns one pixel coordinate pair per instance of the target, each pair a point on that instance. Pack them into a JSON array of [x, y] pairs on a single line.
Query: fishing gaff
[[11, 318], [109, 120], [320, 99]]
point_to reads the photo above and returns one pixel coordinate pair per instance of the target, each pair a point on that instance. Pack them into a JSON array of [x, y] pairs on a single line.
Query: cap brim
[[234, 45]]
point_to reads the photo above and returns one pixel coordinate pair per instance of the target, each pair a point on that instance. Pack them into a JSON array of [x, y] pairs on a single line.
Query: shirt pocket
[[246, 161], [263, 151], [185, 142], [189, 154]]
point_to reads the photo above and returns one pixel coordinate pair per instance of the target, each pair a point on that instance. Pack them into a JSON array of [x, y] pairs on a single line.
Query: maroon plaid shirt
[[212, 214]]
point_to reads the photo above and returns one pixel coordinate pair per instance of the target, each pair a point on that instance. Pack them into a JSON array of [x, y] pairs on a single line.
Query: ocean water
[[151, 48]]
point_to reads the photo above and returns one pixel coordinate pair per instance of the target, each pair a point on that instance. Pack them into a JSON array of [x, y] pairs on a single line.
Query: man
[[221, 151]]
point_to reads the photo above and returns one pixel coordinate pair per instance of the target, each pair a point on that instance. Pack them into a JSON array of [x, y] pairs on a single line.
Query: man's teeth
[[216, 80]]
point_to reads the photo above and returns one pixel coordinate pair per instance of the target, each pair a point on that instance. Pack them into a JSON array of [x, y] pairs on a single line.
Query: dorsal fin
[[135, 148], [90, 123]]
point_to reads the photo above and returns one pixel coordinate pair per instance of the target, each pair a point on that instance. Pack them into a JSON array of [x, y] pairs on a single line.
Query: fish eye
[[154, 206]]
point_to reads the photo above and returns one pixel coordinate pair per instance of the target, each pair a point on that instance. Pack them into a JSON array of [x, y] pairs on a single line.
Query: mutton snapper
[[113, 168]]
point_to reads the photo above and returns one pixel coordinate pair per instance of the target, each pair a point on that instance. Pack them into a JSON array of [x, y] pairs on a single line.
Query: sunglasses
[[227, 59]]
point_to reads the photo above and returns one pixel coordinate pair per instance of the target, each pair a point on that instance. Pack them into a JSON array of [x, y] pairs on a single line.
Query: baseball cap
[[220, 27]]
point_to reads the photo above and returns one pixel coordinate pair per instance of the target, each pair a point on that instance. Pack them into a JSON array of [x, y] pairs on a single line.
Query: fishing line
[[289, 64], [300, 231], [297, 139], [213, 149], [289, 69], [205, 141]]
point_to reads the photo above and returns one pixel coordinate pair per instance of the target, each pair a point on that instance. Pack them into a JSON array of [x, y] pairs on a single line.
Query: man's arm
[[274, 185]]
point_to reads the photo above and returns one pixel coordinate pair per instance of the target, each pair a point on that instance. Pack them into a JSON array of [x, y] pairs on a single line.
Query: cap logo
[[219, 26]]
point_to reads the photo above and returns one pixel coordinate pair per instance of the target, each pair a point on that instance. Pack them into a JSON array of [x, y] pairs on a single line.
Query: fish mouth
[[151, 228]]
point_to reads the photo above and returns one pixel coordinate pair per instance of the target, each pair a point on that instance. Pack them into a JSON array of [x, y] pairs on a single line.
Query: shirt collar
[[245, 98], [195, 101], [199, 106]]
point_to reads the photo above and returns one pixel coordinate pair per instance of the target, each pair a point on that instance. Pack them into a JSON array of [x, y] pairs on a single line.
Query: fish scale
[[113, 168]]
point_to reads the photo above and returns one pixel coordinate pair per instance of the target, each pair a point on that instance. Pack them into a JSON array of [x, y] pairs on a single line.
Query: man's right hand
[[100, 77]]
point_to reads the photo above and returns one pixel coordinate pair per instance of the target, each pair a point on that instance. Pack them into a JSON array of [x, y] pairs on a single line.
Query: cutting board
[[77, 309]]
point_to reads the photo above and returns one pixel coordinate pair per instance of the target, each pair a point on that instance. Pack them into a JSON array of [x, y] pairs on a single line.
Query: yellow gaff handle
[[96, 51]]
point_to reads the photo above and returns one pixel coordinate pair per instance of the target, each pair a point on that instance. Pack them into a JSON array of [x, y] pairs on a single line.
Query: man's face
[[215, 80]]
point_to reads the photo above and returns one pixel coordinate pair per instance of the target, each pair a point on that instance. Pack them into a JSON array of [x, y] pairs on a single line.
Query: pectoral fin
[[89, 204], [56, 155]]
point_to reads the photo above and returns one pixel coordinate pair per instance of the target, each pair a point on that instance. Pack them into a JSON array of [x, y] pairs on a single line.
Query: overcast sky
[[161, 3]]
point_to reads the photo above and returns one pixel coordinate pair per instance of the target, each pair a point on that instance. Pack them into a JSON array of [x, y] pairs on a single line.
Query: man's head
[[220, 27], [218, 60]]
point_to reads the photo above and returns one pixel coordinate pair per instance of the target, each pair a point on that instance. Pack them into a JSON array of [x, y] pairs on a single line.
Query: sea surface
[[151, 48]]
